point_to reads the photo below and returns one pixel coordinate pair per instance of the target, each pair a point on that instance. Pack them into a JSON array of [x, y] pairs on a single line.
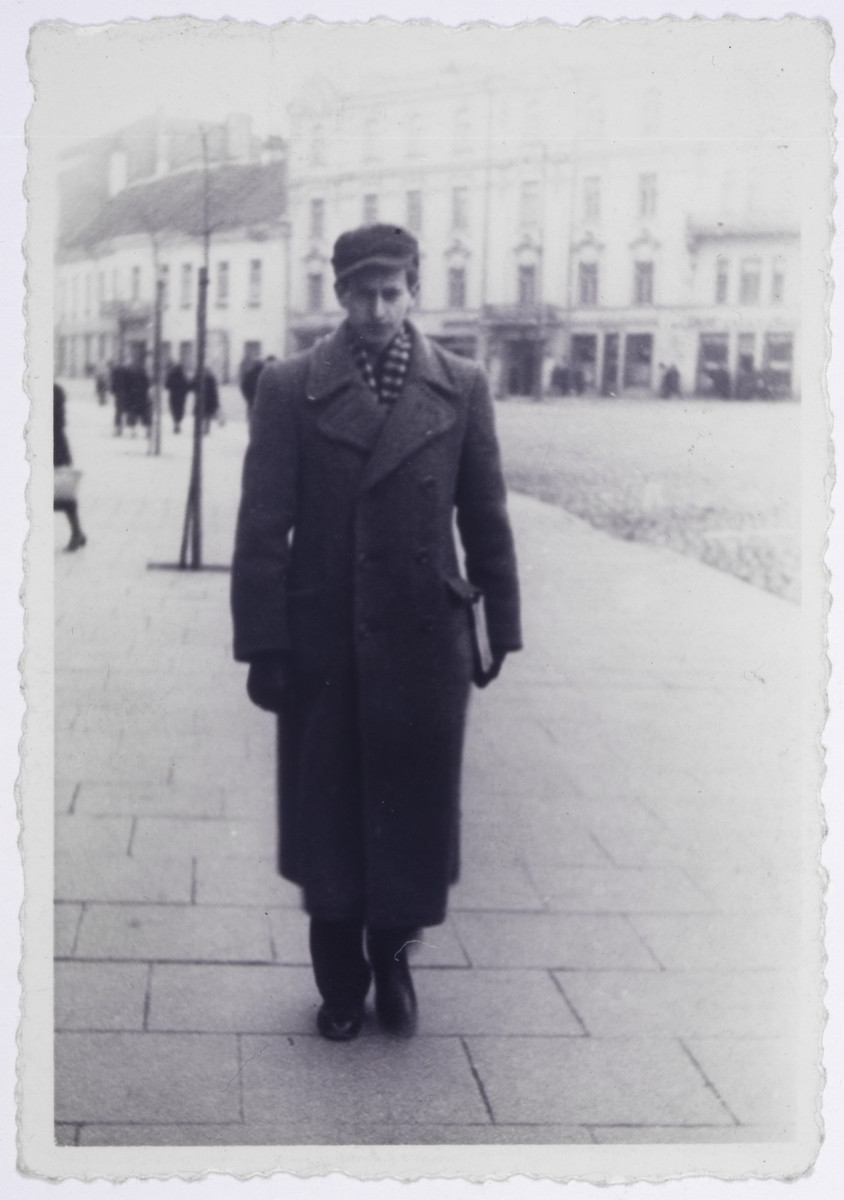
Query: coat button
[[423, 555], [428, 483]]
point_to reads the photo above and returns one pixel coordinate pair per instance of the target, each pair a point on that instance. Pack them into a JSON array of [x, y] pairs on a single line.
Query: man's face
[[376, 303]]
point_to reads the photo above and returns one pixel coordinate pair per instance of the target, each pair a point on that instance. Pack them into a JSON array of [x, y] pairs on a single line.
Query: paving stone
[[98, 996], [67, 1135], [109, 759], [718, 942], [79, 836], [595, 774], [199, 837], [557, 842], [495, 887], [467, 1135], [243, 880], [236, 774], [134, 798], [661, 1134], [741, 742], [681, 1003], [174, 931], [633, 837], [233, 999], [551, 940], [492, 1002], [745, 886], [146, 1077], [66, 919], [371, 1080], [618, 889], [64, 792], [586, 1081], [254, 798], [321, 1133], [96, 877], [437, 947], [756, 1078]]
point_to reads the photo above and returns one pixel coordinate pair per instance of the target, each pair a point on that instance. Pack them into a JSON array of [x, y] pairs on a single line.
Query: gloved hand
[[269, 683], [498, 656]]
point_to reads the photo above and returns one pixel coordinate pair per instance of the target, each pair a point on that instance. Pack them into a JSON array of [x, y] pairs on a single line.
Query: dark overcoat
[[346, 558], [178, 385]]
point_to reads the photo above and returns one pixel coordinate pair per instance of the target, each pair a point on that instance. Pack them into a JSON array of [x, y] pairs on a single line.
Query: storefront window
[[638, 357]]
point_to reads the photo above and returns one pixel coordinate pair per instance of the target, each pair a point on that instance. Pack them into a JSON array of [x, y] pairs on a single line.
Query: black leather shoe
[[395, 999], [339, 1024]]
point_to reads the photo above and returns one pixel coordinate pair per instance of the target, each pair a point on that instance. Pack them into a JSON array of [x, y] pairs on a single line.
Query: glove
[[269, 683], [498, 656]]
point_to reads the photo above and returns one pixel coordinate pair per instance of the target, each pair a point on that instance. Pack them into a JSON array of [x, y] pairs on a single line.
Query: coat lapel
[[424, 410], [352, 414]]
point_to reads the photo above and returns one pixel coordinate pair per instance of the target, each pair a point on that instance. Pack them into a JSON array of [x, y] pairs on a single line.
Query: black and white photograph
[[426, 652]]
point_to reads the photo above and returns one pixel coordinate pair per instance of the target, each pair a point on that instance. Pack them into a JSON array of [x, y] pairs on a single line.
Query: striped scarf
[[384, 374]]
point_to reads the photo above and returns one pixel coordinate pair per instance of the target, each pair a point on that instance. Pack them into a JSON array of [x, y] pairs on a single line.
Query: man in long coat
[[178, 385], [352, 610]]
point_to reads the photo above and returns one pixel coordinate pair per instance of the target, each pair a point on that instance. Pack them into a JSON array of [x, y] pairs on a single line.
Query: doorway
[[521, 368], [609, 376], [584, 359]]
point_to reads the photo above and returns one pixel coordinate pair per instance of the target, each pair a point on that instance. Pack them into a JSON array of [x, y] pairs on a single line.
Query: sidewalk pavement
[[619, 962]]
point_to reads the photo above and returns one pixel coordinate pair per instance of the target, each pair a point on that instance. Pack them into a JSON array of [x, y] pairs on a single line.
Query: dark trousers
[[342, 970], [71, 509]]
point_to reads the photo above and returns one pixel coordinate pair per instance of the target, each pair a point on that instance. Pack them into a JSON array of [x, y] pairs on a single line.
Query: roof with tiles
[[239, 195]]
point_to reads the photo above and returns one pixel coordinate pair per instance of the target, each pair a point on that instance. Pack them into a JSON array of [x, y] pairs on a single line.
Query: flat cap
[[387, 246]]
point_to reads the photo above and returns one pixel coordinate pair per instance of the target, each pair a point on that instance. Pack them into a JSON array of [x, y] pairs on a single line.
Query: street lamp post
[[155, 440], [192, 530]]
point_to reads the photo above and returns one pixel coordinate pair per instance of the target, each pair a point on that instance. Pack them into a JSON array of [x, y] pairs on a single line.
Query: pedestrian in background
[[64, 499], [357, 623], [250, 372], [178, 385], [669, 385], [119, 391], [210, 398], [101, 382], [138, 407]]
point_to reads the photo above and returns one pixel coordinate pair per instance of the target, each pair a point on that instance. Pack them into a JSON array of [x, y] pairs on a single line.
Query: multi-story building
[[114, 251], [561, 223]]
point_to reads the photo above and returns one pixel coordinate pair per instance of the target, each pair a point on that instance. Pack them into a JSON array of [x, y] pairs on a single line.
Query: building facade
[[150, 233], [563, 225]]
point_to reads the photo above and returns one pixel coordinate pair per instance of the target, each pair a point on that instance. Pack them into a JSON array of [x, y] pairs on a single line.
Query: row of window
[[220, 284], [467, 130], [456, 286], [750, 281], [98, 284], [529, 205], [588, 284], [646, 200], [526, 286], [413, 211]]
